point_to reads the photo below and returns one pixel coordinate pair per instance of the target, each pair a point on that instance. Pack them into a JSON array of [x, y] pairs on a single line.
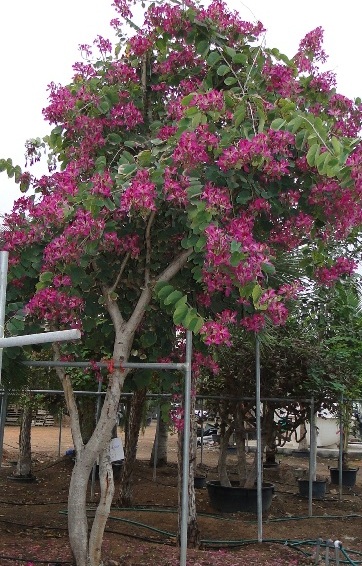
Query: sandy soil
[[33, 524]]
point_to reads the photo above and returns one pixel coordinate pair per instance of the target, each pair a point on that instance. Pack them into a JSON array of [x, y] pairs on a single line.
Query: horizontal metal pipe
[[125, 365], [58, 336]]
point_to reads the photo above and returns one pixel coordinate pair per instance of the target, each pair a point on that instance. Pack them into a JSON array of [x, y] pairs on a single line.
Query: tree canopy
[[192, 147]]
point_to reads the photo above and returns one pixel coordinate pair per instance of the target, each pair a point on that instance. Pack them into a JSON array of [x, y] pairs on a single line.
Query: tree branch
[[120, 273], [70, 401], [148, 247], [171, 270]]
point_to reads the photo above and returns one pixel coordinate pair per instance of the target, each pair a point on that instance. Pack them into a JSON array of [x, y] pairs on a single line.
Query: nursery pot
[[348, 476], [236, 498], [318, 488], [199, 482]]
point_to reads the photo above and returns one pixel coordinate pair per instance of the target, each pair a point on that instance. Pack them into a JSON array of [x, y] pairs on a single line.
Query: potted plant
[[343, 473], [318, 484]]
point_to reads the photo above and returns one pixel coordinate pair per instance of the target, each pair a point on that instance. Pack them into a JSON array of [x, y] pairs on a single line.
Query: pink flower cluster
[[175, 186], [310, 51], [56, 308], [210, 100], [280, 79], [215, 333], [216, 198], [193, 147], [140, 196], [229, 22], [267, 151], [342, 266], [201, 361], [102, 184], [111, 243]]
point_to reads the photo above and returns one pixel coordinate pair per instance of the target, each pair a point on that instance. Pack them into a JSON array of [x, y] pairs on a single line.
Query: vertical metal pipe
[[202, 431], [60, 431], [340, 452], [3, 283], [186, 448], [155, 453], [259, 453], [312, 458]]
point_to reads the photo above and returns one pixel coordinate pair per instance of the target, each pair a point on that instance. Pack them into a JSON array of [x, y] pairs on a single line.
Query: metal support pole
[[60, 431], [340, 452], [202, 432], [3, 283], [155, 453], [186, 449], [259, 453], [312, 458], [57, 336]]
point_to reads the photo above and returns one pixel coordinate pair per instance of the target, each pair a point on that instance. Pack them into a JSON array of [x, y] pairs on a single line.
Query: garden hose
[[208, 543]]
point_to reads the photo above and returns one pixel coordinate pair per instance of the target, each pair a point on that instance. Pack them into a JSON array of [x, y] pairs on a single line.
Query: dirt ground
[[33, 523]]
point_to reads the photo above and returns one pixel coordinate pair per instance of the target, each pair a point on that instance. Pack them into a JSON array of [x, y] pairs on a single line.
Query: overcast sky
[[39, 43]]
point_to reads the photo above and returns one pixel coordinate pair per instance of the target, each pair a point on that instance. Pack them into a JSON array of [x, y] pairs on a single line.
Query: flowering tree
[[183, 167]]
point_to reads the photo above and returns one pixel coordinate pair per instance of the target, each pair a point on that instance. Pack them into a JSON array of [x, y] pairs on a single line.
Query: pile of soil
[[33, 521]]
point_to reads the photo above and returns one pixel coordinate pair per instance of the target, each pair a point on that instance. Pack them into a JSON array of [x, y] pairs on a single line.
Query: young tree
[[188, 161]]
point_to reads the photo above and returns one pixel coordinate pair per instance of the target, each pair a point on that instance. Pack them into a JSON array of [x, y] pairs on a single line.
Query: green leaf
[[144, 158], [223, 70], [196, 324], [230, 81], [114, 138], [172, 298], [278, 123], [337, 146], [313, 152], [148, 339], [268, 268], [239, 115], [104, 106], [240, 59], [213, 58], [164, 292], [100, 163], [46, 277], [203, 47], [180, 313], [256, 293]]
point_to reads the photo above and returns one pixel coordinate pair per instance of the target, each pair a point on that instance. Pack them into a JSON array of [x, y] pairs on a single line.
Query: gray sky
[[39, 43]]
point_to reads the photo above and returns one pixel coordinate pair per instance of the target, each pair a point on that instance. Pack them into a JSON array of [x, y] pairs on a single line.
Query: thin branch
[[148, 247], [120, 273], [171, 270], [113, 309], [70, 401], [174, 267]]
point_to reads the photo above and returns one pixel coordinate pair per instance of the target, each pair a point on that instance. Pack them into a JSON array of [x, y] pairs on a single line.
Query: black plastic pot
[[348, 476], [22, 479], [318, 488], [199, 482], [236, 498]]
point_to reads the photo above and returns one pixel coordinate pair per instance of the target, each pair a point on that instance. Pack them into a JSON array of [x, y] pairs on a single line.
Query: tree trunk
[[103, 508], [225, 435], [87, 415], [162, 435], [23, 466], [86, 551], [193, 532], [131, 440], [270, 431], [240, 444]]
